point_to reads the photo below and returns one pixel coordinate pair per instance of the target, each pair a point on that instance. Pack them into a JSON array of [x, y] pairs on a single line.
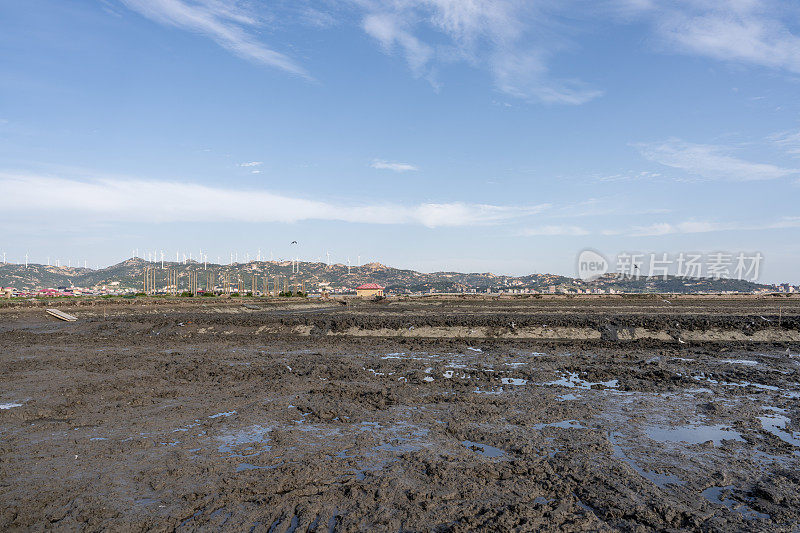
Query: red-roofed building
[[369, 289]]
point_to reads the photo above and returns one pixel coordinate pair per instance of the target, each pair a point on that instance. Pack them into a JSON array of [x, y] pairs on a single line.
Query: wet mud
[[290, 418]]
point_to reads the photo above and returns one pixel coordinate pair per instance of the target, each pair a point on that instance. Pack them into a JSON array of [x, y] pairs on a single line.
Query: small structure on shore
[[368, 290]]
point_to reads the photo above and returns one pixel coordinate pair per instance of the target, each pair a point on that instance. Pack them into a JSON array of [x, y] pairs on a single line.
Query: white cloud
[[396, 167], [695, 226], [747, 31], [389, 30], [511, 38], [251, 164], [115, 200], [788, 141], [710, 161], [554, 231], [224, 22]]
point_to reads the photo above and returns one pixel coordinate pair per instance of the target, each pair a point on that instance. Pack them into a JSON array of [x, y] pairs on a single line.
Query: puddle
[[660, 480], [776, 424], [484, 449], [745, 362], [474, 349], [571, 380], [694, 434], [567, 397], [714, 495], [514, 381], [218, 415], [9, 405], [251, 435], [400, 448], [564, 424]]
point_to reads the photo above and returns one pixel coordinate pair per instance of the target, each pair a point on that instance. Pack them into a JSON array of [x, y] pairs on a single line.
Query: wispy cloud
[[227, 23], [554, 231], [110, 200], [512, 39], [788, 141], [251, 164], [704, 226], [710, 161], [380, 164], [755, 32]]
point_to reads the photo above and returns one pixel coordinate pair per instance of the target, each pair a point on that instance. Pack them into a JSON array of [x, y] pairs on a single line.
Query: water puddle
[[745, 362], [564, 424], [253, 435], [484, 449], [243, 467], [715, 495], [398, 448], [226, 414], [571, 380], [514, 381], [694, 434], [567, 397], [9, 405], [660, 480], [776, 424]]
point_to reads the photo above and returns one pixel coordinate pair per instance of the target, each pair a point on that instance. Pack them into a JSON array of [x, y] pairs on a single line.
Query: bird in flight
[[294, 242]]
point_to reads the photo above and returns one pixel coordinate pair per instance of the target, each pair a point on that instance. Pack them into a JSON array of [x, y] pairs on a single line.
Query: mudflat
[[443, 414]]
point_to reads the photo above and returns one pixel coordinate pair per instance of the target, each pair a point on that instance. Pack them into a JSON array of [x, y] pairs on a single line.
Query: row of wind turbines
[[156, 256]]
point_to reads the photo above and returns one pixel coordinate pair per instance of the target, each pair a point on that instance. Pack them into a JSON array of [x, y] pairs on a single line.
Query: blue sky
[[496, 135]]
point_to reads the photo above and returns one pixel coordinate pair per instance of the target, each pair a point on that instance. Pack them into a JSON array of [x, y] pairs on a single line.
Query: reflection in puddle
[[660, 480], [571, 380], [694, 434], [514, 381], [218, 415], [564, 424], [243, 467], [484, 449], [567, 397], [251, 435], [715, 495], [776, 424], [745, 362]]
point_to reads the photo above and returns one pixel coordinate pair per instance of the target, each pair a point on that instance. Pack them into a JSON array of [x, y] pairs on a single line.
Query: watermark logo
[[591, 265], [740, 266]]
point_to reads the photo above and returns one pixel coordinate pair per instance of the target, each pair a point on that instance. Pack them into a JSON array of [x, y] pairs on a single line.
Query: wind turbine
[[295, 267]]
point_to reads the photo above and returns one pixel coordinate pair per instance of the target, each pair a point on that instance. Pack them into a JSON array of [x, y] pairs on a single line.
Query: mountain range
[[129, 275]]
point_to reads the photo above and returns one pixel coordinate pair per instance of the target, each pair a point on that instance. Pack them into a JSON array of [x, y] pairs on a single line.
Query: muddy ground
[[631, 415]]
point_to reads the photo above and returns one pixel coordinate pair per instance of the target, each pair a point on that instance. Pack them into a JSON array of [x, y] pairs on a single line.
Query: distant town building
[[369, 289]]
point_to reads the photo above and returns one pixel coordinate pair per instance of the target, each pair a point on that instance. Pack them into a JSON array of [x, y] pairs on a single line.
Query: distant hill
[[129, 274]]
